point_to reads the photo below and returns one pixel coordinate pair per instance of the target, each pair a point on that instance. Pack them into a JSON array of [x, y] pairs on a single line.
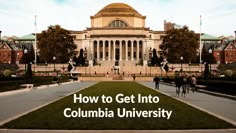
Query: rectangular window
[[17, 55]]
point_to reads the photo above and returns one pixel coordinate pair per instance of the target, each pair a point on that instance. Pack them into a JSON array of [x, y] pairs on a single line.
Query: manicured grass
[[183, 116]]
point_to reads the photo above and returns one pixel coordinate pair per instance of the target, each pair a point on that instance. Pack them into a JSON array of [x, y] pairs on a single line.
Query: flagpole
[[200, 46], [35, 50]]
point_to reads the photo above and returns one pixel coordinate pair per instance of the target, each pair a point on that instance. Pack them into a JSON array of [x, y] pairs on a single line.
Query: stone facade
[[118, 32]]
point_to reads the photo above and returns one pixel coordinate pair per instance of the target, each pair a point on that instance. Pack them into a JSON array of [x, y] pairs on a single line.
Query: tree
[[154, 59], [29, 72], [180, 42], [206, 57], [29, 57], [56, 41], [81, 59], [206, 71], [75, 59]]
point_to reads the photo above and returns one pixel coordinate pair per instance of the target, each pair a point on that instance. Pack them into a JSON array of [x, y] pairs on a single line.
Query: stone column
[[98, 55], [144, 49], [109, 50], [120, 50], [137, 53], [126, 50], [103, 50], [114, 50], [132, 50]]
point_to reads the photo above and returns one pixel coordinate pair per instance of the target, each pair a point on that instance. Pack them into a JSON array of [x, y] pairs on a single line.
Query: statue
[[72, 64], [72, 68], [163, 64]]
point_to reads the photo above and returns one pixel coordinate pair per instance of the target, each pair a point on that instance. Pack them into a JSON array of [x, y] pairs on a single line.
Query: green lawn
[[183, 116]]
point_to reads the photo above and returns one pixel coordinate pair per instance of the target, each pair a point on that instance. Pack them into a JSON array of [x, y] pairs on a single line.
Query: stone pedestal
[[90, 63], [145, 63]]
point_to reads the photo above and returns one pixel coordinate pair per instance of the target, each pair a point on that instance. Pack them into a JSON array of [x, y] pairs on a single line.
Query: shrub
[[229, 73], [7, 73]]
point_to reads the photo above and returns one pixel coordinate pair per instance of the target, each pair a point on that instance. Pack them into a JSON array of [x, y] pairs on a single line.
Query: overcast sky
[[17, 16]]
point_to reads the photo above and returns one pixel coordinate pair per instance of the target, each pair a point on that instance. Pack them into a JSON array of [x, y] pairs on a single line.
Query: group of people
[[185, 83]]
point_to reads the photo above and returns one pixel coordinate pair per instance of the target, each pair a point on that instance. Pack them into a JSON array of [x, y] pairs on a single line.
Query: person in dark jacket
[[178, 84], [156, 80], [134, 77]]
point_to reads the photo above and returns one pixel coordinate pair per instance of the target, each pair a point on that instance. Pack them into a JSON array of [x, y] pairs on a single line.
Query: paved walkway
[[222, 107], [21, 103]]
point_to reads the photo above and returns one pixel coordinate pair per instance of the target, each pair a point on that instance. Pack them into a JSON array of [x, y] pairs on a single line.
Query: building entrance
[[117, 53]]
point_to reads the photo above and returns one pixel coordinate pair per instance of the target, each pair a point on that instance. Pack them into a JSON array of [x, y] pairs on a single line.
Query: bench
[[28, 86]]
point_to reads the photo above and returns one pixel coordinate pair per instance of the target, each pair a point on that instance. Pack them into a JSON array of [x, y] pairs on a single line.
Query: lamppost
[[25, 52], [210, 54], [90, 65], [145, 64], [85, 70], [150, 68], [181, 62], [54, 60], [46, 64], [189, 65]]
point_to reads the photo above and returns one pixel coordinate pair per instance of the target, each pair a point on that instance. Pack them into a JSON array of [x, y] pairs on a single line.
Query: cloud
[[18, 16]]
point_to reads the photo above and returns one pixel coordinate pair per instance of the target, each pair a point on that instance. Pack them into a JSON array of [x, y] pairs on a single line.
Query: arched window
[[118, 23]]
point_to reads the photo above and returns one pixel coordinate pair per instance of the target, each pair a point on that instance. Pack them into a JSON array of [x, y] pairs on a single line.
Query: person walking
[[134, 77], [178, 84], [193, 83], [184, 85], [156, 80]]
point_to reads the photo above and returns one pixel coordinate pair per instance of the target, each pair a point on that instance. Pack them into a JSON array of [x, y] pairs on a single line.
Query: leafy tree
[[29, 57], [206, 71], [56, 41], [75, 59], [206, 57], [81, 59], [154, 59], [180, 42], [29, 71]]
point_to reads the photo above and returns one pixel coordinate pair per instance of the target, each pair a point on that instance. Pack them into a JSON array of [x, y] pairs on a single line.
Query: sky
[[18, 16]]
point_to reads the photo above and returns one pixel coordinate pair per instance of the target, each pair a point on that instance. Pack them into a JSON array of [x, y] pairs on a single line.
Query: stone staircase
[[126, 68], [117, 77]]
